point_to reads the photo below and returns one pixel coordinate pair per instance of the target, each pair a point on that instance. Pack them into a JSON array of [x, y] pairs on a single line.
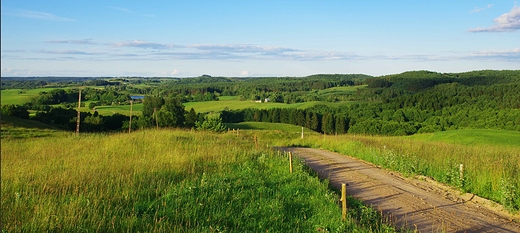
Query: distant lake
[[137, 97]]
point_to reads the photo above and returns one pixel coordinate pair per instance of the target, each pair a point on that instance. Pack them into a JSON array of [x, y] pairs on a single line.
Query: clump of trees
[[15, 110]]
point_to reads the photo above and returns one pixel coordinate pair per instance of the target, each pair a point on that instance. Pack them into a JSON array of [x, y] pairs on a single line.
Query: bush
[[15, 110]]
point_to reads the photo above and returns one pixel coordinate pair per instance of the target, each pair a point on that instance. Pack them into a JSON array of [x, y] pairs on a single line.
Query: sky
[[250, 38]]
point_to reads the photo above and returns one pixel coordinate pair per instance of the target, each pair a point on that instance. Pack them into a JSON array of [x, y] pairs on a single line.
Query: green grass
[[13, 127], [232, 103], [473, 137], [491, 159], [164, 181], [341, 90], [121, 109], [19, 96]]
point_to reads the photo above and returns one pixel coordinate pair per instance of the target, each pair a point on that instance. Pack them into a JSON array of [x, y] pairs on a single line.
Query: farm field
[[19, 96], [164, 181], [232, 103], [340, 90], [121, 109]]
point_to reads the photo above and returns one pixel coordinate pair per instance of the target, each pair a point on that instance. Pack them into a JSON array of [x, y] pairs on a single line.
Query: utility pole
[[79, 114], [130, 123]]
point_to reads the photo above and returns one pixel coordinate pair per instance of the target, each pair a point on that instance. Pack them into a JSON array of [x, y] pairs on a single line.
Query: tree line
[[402, 104]]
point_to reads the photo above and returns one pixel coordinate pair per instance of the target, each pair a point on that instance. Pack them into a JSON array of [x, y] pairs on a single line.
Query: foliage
[[401, 104], [211, 123], [15, 110]]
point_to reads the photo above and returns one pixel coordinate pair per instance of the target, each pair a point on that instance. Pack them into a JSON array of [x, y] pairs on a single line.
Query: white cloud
[[37, 15], [13, 72], [172, 73], [241, 48], [143, 44], [244, 73], [507, 55], [507, 22], [83, 41], [73, 52], [479, 9]]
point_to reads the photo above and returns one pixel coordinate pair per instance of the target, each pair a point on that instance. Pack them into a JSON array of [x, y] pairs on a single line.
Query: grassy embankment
[[164, 181], [13, 127], [490, 158]]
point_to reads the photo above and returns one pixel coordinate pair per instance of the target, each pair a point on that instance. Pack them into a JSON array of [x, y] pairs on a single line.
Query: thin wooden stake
[[256, 142], [79, 113], [344, 201], [302, 132], [461, 171], [290, 163]]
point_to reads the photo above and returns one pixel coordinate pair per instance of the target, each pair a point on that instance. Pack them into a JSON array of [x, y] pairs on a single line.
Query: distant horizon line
[[286, 76]]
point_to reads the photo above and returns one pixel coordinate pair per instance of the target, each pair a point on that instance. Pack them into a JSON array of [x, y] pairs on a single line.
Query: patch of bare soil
[[418, 204]]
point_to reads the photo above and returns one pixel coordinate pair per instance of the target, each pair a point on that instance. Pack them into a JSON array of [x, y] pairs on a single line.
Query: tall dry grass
[[164, 181]]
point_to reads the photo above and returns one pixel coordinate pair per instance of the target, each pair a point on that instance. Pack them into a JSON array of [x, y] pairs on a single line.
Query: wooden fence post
[[461, 172], [290, 163], [344, 201]]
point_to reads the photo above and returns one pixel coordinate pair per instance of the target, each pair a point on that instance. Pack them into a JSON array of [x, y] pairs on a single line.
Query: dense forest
[[399, 104], [412, 102]]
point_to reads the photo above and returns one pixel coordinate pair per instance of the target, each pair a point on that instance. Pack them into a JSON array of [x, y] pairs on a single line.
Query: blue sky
[[256, 38]]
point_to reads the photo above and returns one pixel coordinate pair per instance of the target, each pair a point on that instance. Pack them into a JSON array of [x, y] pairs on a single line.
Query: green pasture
[[341, 90], [165, 181], [233, 103], [19, 96], [473, 137], [121, 109]]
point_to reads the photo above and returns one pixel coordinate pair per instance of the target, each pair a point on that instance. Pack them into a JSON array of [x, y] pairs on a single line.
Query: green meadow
[[19, 96], [172, 180], [473, 137], [341, 90], [121, 109], [166, 181], [232, 103]]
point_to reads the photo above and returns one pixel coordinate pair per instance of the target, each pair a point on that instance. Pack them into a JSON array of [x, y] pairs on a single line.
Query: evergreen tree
[[191, 118], [328, 123]]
